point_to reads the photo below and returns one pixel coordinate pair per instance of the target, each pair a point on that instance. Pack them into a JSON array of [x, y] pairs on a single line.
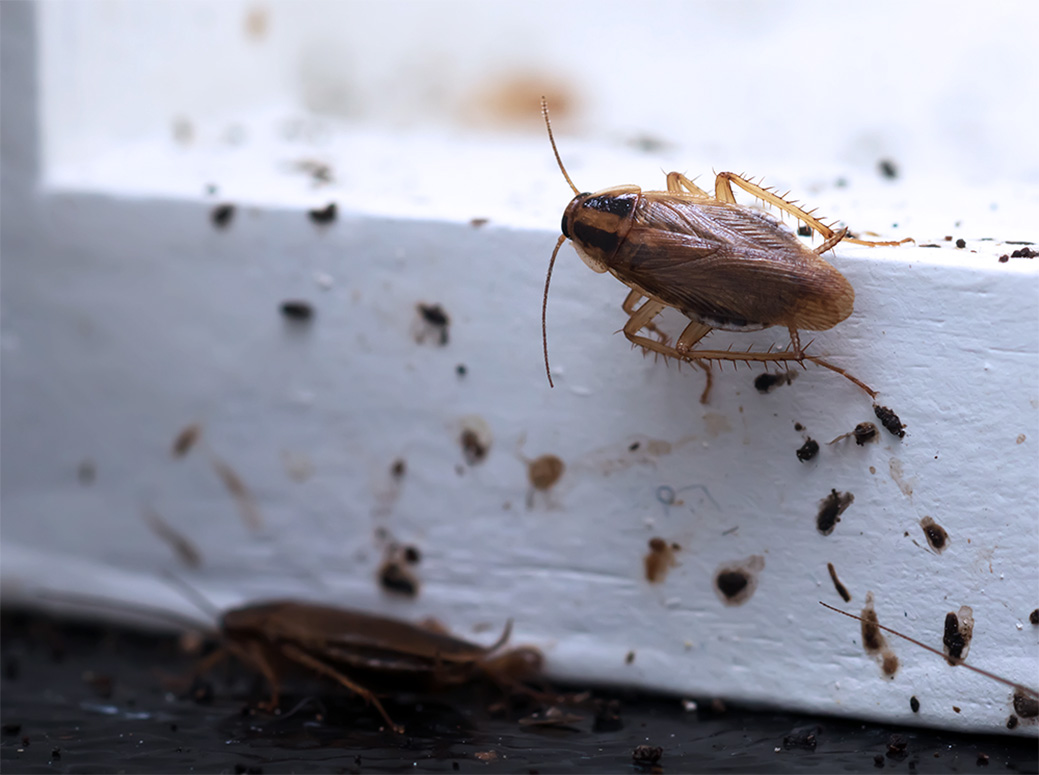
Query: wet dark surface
[[83, 700]]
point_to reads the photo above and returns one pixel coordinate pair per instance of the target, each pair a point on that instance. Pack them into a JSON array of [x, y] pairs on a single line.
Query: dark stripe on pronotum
[[615, 205], [606, 241]]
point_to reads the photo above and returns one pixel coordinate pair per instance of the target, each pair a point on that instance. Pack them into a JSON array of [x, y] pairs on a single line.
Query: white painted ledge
[[126, 314]]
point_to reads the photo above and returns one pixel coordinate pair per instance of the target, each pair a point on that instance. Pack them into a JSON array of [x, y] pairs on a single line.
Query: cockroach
[[721, 264], [348, 647]]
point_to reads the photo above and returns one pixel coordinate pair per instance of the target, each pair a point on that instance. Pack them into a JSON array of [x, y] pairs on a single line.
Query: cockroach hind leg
[[303, 658], [676, 181]]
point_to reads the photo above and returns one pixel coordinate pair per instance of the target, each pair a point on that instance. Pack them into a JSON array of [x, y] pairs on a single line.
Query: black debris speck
[[222, 215], [914, 704], [325, 214], [297, 310], [887, 168], [647, 754], [961, 243], [808, 450], [889, 420]]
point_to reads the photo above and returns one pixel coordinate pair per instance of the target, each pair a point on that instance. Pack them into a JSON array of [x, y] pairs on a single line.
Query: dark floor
[[83, 699]]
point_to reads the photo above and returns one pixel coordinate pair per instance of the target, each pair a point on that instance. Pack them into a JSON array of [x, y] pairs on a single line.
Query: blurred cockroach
[[721, 264], [348, 647]]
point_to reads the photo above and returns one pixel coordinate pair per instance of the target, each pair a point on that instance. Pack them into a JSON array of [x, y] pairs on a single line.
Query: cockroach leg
[[631, 302], [723, 192], [850, 377], [676, 181], [303, 658]]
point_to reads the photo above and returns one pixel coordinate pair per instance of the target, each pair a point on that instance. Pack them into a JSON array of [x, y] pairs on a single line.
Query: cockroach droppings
[[766, 382], [830, 509], [1024, 706], [647, 754], [890, 420], [961, 243], [435, 321], [808, 450], [735, 583], [937, 537], [221, 215], [887, 168], [186, 439], [297, 311], [1012, 722], [324, 215], [1034, 617], [841, 589], [629, 657], [914, 704], [395, 578], [398, 469], [864, 432]]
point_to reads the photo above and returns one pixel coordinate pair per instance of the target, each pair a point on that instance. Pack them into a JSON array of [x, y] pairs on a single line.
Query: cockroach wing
[[730, 267]]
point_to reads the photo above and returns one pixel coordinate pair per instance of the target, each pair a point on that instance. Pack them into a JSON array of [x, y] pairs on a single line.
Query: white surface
[[126, 315]]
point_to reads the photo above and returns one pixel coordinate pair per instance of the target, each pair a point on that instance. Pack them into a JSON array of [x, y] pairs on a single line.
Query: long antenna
[[552, 139], [544, 307]]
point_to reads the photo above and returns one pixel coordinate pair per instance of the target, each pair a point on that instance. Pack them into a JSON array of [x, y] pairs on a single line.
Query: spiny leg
[[676, 181], [305, 659], [692, 334], [723, 192], [631, 301], [639, 320]]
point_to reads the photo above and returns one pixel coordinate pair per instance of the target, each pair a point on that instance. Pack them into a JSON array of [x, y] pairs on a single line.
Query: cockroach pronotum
[[346, 647], [721, 264]]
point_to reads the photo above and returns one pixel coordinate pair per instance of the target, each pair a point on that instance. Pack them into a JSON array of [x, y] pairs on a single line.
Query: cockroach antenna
[[559, 243]]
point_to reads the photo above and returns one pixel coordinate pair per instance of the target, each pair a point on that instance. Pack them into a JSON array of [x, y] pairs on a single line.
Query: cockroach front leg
[[631, 302], [643, 318]]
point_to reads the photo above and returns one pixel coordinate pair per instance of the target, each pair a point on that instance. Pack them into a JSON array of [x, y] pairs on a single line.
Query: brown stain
[[873, 640], [659, 560], [898, 477], [243, 497], [830, 509], [183, 548], [257, 22], [716, 424], [433, 324], [514, 100], [297, 465], [937, 537], [841, 589], [735, 582], [476, 223], [186, 439], [545, 471], [958, 631], [1021, 438]]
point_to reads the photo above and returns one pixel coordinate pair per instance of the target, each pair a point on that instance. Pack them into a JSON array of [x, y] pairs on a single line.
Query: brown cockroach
[[347, 647], [721, 264]]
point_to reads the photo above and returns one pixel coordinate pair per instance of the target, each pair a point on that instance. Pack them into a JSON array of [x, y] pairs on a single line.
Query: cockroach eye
[[566, 231]]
